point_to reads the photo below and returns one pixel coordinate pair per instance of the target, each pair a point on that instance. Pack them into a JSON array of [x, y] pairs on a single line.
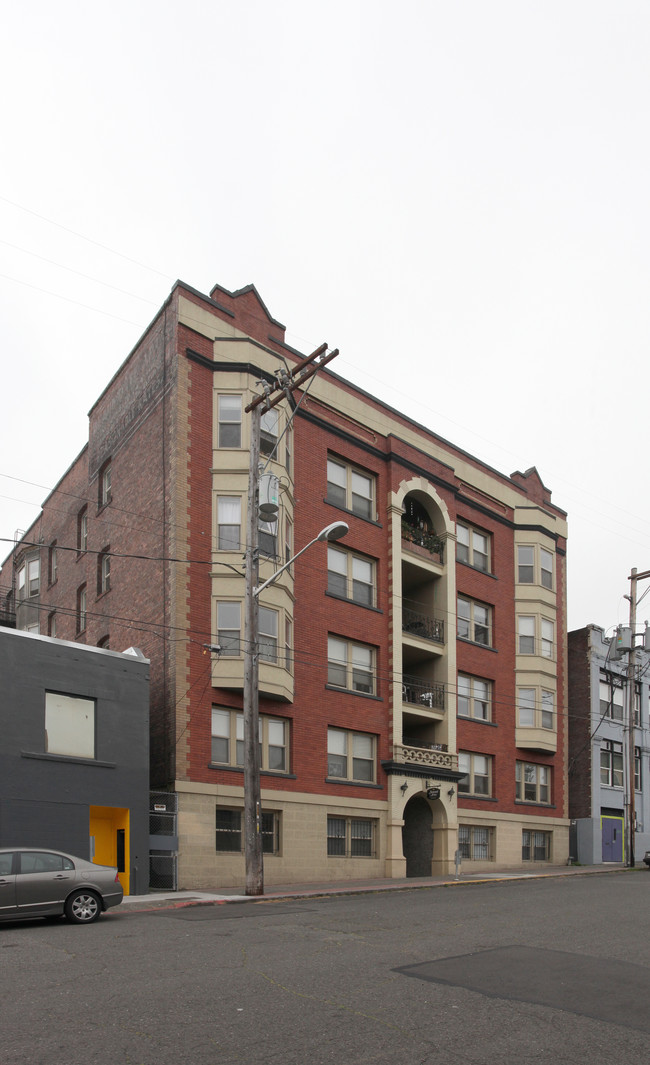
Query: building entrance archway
[[417, 837]]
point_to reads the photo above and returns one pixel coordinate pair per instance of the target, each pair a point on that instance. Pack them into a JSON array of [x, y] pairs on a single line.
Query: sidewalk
[[162, 900]]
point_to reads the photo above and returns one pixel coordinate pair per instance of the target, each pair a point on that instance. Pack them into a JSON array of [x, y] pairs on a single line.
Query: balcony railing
[[423, 625], [419, 755], [423, 693], [413, 741]]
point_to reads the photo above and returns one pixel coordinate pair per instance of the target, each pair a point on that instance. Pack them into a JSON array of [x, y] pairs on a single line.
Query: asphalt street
[[521, 971]]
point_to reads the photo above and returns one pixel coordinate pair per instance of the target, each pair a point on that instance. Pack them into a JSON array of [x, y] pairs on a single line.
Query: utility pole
[[286, 384], [631, 684]]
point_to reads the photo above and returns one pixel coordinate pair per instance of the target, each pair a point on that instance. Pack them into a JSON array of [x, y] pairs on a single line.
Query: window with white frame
[[535, 845], [288, 644], [105, 484], [229, 418], [229, 523], [269, 427], [52, 563], [82, 609], [533, 782], [20, 582], [104, 571], [547, 638], [472, 546], [350, 665], [536, 709], [228, 740], [526, 635], [350, 755], [350, 576], [82, 530], [612, 697], [350, 488], [474, 621], [229, 830], [637, 769], [351, 837], [474, 697], [69, 725], [268, 634], [611, 764], [229, 628], [268, 538], [534, 565], [477, 774], [475, 842]]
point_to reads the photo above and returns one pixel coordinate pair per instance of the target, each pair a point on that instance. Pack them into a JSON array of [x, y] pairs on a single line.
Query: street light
[[253, 854]]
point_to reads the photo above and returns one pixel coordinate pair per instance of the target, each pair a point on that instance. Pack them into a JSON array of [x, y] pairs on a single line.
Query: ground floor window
[[475, 843], [351, 837], [535, 846], [230, 831]]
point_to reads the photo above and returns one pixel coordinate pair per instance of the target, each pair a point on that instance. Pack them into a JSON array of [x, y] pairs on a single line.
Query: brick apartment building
[[412, 676]]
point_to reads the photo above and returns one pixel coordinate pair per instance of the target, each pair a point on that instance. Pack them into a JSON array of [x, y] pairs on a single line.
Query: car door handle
[[62, 876]]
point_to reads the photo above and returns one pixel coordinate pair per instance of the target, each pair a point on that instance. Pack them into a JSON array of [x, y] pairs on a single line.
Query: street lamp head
[[334, 531]]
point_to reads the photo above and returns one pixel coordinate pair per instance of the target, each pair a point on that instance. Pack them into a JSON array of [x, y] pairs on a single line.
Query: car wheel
[[82, 907]]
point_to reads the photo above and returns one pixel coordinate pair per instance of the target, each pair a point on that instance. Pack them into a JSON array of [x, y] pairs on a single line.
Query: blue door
[[612, 830]]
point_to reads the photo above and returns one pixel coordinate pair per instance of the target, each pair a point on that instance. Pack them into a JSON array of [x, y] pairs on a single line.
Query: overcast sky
[[455, 194]]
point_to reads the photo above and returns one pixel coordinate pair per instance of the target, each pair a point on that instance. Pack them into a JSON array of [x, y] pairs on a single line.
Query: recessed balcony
[[424, 626], [423, 694]]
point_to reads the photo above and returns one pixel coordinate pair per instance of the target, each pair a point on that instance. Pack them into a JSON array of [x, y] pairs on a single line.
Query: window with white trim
[[82, 530], [105, 484], [612, 697], [268, 634], [229, 628], [477, 774], [104, 571], [533, 782], [52, 563], [474, 621], [82, 609], [350, 488], [535, 636], [475, 842], [611, 764], [350, 576], [269, 428], [228, 740], [472, 546], [229, 523], [534, 565], [351, 837], [474, 697], [536, 708], [350, 665], [350, 755], [229, 419]]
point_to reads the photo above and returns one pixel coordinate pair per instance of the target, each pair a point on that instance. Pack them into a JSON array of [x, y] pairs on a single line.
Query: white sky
[[455, 194]]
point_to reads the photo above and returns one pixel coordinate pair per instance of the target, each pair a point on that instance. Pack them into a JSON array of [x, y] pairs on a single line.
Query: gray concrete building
[[74, 758], [599, 693]]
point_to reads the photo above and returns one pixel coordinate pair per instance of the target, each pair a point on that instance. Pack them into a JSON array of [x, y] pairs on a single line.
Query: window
[[268, 538], [612, 697], [535, 846], [350, 488], [611, 764], [472, 547], [69, 725], [474, 697], [534, 565], [52, 563], [350, 576], [228, 740], [533, 712], [105, 477], [33, 576], [637, 769], [533, 782], [229, 836], [548, 632], [473, 621], [350, 665], [21, 582], [81, 609], [288, 541], [229, 628], [103, 572], [82, 530], [268, 635], [475, 843], [51, 624], [43, 862], [269, 431], [104, 643], [350, 837], [350, 755], [229, 523], [288, 643], [526, 635], [229, 419], [477, 773]]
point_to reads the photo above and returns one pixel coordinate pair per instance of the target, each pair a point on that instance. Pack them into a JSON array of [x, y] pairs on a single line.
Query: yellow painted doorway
[[109, 839]]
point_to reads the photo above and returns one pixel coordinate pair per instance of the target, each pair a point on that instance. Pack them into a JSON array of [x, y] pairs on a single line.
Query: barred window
[[350, 837], [475, 842], [535, 846]]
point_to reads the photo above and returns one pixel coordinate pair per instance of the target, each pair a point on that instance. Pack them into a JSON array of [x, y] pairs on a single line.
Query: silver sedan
[[41, 883]]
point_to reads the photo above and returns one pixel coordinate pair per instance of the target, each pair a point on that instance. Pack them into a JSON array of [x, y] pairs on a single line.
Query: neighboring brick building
[[598, 758], [426, 650]]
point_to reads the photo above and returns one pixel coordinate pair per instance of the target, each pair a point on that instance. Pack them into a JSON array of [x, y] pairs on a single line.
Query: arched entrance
[[417, 837]]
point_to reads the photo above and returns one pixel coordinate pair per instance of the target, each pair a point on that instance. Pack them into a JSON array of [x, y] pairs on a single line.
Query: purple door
[[612, 828]]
